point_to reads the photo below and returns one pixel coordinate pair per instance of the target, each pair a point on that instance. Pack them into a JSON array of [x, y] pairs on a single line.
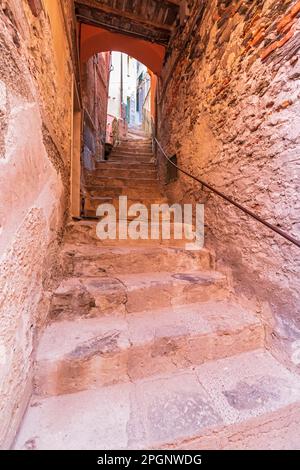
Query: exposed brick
[[287, 27], [255, 19], [284, 21], [288, 18], [257, 38], [266, 52], [295, 9], [276, 45]]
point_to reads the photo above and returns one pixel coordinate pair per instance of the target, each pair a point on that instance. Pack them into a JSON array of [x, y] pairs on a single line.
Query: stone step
[[246, 401], [131, 159], [91, 353], [85, 232], [140, 173], [136, 136], [82, 297], [125, 166], [143, 138], [121, 182], [135, 133], [138, 152], [133, 149], [90, 211], [93, 202], [131, 192], [135, 143], [89, 261]]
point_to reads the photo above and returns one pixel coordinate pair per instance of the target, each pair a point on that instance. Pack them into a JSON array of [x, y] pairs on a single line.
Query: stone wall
[[229, 108], [35, 143]]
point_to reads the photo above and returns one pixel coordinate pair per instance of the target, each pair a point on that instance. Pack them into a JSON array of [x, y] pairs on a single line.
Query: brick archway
[[94, 40]]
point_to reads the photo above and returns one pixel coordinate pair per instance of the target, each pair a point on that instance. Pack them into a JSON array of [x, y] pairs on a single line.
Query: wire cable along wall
[[280, 232]]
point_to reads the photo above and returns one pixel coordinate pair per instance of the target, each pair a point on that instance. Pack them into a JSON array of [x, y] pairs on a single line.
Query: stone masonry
[[230, 111]]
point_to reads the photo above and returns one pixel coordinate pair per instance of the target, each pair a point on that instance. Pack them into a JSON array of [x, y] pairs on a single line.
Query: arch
[[95, 40]]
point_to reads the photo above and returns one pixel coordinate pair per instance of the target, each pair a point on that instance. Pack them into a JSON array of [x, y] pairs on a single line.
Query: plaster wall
[[36, 80]]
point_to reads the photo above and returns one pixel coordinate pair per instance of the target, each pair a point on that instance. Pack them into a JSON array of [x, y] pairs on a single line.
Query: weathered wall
[[95, 76], [35, 143], [230, 110]]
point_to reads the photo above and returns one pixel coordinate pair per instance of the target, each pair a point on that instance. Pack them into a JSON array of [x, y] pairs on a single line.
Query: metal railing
[[230, 200]]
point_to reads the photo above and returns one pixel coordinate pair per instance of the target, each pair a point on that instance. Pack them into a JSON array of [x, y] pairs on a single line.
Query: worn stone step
[[140, 193], [85, 232], [125, 166], [133, 149], [137, 156], [88, 260], [123, 182], [247, 401], [135, 144], [91, 211], [93, 202], [144, 139], [141, 173], [138, 152], [139, 139], [92, 353], [136, 159], [82, 297], [99, 192], [136, 135], [144, 185]]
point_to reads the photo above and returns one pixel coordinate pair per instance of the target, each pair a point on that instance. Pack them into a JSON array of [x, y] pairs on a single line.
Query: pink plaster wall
[[34, 194]]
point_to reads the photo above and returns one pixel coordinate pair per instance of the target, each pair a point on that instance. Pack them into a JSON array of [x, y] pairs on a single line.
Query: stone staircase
[[130, 171], [146, 346]]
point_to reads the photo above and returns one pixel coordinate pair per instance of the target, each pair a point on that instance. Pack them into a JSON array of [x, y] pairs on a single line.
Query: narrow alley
[[149, 225]]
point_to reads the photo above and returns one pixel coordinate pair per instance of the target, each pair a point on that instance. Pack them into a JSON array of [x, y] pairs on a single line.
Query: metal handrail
[[231, 201]]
